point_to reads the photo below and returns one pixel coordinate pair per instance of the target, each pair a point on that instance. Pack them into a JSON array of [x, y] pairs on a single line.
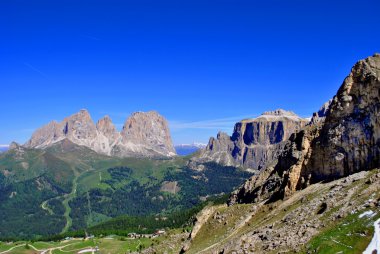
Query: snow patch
[[374, 245], [367, 214]]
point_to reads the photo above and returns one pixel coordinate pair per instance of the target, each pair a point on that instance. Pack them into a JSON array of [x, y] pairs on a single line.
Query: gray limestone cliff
[[255, 143], [144, 134]]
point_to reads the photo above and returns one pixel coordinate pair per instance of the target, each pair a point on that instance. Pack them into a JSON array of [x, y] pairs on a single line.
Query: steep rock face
[[78, 128], [350, 137], [219, 149], [283, 177], [254, 143], [108, 136], [344, 141], [107, 128], [144, 134], [81, 130], [270, 128], [46, 135]]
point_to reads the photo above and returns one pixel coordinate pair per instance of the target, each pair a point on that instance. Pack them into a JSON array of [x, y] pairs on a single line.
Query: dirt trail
[[249, 216], [238, 227], [43, 251]]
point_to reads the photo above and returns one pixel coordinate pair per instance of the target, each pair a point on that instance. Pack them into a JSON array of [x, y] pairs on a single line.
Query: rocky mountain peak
[[144, 131], [80, 127], [84, 112], [81, 115], [107, 128], [222, 134], [46, 135], [144, 134], [106, 118]]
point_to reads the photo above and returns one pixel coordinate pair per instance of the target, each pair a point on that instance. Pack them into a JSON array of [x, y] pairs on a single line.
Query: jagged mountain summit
[[254, 143], [143, 134]]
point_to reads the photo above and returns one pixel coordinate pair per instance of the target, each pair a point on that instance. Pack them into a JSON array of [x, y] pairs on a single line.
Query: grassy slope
[[333, 238], [144, 170], [114, 245], [220, 231], [351, 235], [140, 188], [41, 177]]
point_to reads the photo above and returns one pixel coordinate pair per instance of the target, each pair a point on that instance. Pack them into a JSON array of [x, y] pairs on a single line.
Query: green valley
[[69, 187]]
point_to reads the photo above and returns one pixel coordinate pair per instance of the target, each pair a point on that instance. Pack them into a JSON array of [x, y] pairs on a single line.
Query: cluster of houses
[[154, 235]]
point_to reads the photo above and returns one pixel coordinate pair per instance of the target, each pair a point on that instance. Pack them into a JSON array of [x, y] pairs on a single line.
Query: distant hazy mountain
[[3, 148], [186, 149]]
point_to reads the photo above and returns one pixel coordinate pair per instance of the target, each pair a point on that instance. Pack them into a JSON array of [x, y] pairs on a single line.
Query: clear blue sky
[[202, 64]]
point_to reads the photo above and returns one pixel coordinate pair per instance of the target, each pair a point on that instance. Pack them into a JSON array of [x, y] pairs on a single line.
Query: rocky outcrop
[[289, 226], [344, 141], [219, 149], [274, 181], [201, 219], [46, 135], [144, 134], [255, 143]]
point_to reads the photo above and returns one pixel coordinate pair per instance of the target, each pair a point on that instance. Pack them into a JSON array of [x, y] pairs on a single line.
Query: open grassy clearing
[[116, 245]]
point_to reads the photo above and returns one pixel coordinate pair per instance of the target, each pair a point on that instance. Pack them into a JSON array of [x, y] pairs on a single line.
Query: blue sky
[[202, 64]]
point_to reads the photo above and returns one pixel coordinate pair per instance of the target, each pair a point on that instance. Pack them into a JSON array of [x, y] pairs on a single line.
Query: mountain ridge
[[144, 134]]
